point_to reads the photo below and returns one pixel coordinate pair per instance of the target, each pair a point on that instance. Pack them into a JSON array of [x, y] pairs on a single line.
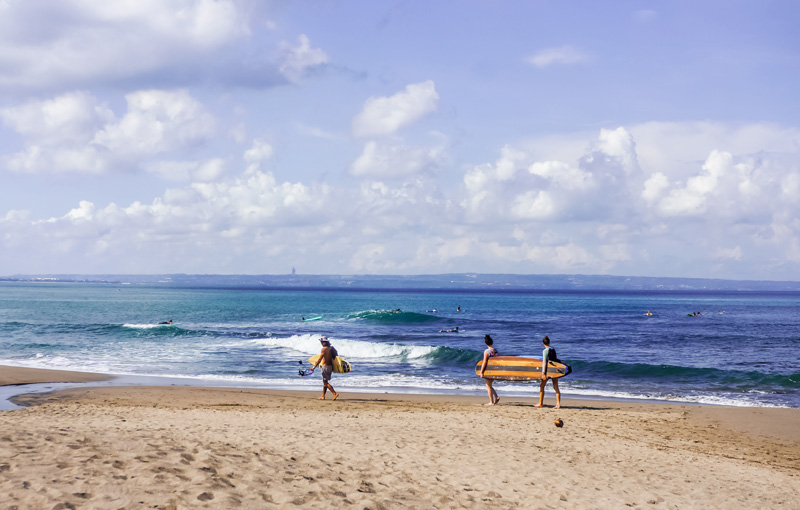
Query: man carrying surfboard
[[549, 354], [326, 357]]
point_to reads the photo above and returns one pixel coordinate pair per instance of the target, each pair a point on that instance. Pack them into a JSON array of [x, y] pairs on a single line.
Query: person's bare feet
[[489, 404], [557, 407], [537, 405], [321, 398], [496, 401], [335, 395]]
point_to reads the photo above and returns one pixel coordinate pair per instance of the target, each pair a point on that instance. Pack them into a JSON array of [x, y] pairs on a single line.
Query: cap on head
[[324, 340]]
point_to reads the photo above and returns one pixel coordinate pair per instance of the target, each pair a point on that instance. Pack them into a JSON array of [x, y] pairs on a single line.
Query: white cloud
[[484, 182], [533, 205], [598, 210], [388, 161], [157, 121], [676, 148], [693, 198], [253, 213], [256, 155], [76, 133], [66, 118], [386, 115], [618, 144], [85, 212], [597, 185], [553, 56], [84, 41], [562, 174], [298, 60], [654, 187]]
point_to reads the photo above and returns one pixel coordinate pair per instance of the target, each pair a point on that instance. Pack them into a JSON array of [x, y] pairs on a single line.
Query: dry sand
[[188, 447]]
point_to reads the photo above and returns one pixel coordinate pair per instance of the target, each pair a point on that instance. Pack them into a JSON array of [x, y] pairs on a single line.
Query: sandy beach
[[188, 447]]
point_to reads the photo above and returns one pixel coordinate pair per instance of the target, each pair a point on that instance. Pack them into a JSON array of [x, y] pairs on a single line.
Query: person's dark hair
[[488, 340], [546, 340]]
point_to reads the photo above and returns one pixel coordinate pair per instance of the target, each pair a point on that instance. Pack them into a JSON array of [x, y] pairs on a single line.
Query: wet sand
[[189, 447], [10, 376]]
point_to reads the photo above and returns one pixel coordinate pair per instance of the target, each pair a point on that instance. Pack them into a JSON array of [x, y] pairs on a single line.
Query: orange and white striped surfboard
[[516, 368]]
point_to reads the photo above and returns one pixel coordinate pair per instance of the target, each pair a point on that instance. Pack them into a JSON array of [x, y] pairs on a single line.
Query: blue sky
[[375, 137]]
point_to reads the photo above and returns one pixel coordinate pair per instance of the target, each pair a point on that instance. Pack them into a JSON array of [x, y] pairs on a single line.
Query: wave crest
[[395, 316], [355, 349]]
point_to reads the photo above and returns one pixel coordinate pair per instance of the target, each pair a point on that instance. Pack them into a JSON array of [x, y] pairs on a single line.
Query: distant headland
[[435, 282]]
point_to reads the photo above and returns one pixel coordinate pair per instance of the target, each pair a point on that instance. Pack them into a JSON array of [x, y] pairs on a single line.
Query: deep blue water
[[747, 355]]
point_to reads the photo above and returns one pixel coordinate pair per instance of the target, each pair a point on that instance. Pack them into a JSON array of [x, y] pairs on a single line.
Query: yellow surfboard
[[340, 365]]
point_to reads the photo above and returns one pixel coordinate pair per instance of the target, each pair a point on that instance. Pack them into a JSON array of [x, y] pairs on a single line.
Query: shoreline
[[781, 423], [18, 376], [177, 447]]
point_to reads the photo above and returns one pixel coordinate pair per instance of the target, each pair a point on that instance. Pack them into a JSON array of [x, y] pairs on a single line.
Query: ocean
[[741, 350]]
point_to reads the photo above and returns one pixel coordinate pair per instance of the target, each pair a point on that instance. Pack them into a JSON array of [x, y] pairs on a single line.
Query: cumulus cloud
[[604, 209], [390, 161], [298, 60], [595, 185], [562, 174], [89, 41], [257, 155], [76, 133], [554, 56], [250, 210], [676, 148], [606, 206], [383, 116], [157, 121], [66, 118], [485, 183], [692, 199]]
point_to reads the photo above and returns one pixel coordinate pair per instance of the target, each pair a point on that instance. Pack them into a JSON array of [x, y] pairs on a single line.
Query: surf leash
[[307, 371]]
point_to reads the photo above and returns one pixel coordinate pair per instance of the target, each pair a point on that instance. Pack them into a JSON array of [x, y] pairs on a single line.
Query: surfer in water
[[166, 322], [490, 352], [326, 359], [549, 354]]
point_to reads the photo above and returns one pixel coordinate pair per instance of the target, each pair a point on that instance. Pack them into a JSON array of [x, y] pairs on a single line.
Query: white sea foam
[[693, 399], [350, 349], [384, 383], [145, 326]]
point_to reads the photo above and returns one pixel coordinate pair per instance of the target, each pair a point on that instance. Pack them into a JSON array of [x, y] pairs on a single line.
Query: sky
[[643, 138]]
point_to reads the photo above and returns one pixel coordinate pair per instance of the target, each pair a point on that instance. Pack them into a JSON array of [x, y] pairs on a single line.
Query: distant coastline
[[474, 282]]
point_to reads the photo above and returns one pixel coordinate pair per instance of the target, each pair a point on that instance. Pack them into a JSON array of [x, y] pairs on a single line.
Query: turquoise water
[[747, 355]]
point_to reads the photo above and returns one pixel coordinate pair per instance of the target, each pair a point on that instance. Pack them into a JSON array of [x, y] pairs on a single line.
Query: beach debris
[[559, 422]]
